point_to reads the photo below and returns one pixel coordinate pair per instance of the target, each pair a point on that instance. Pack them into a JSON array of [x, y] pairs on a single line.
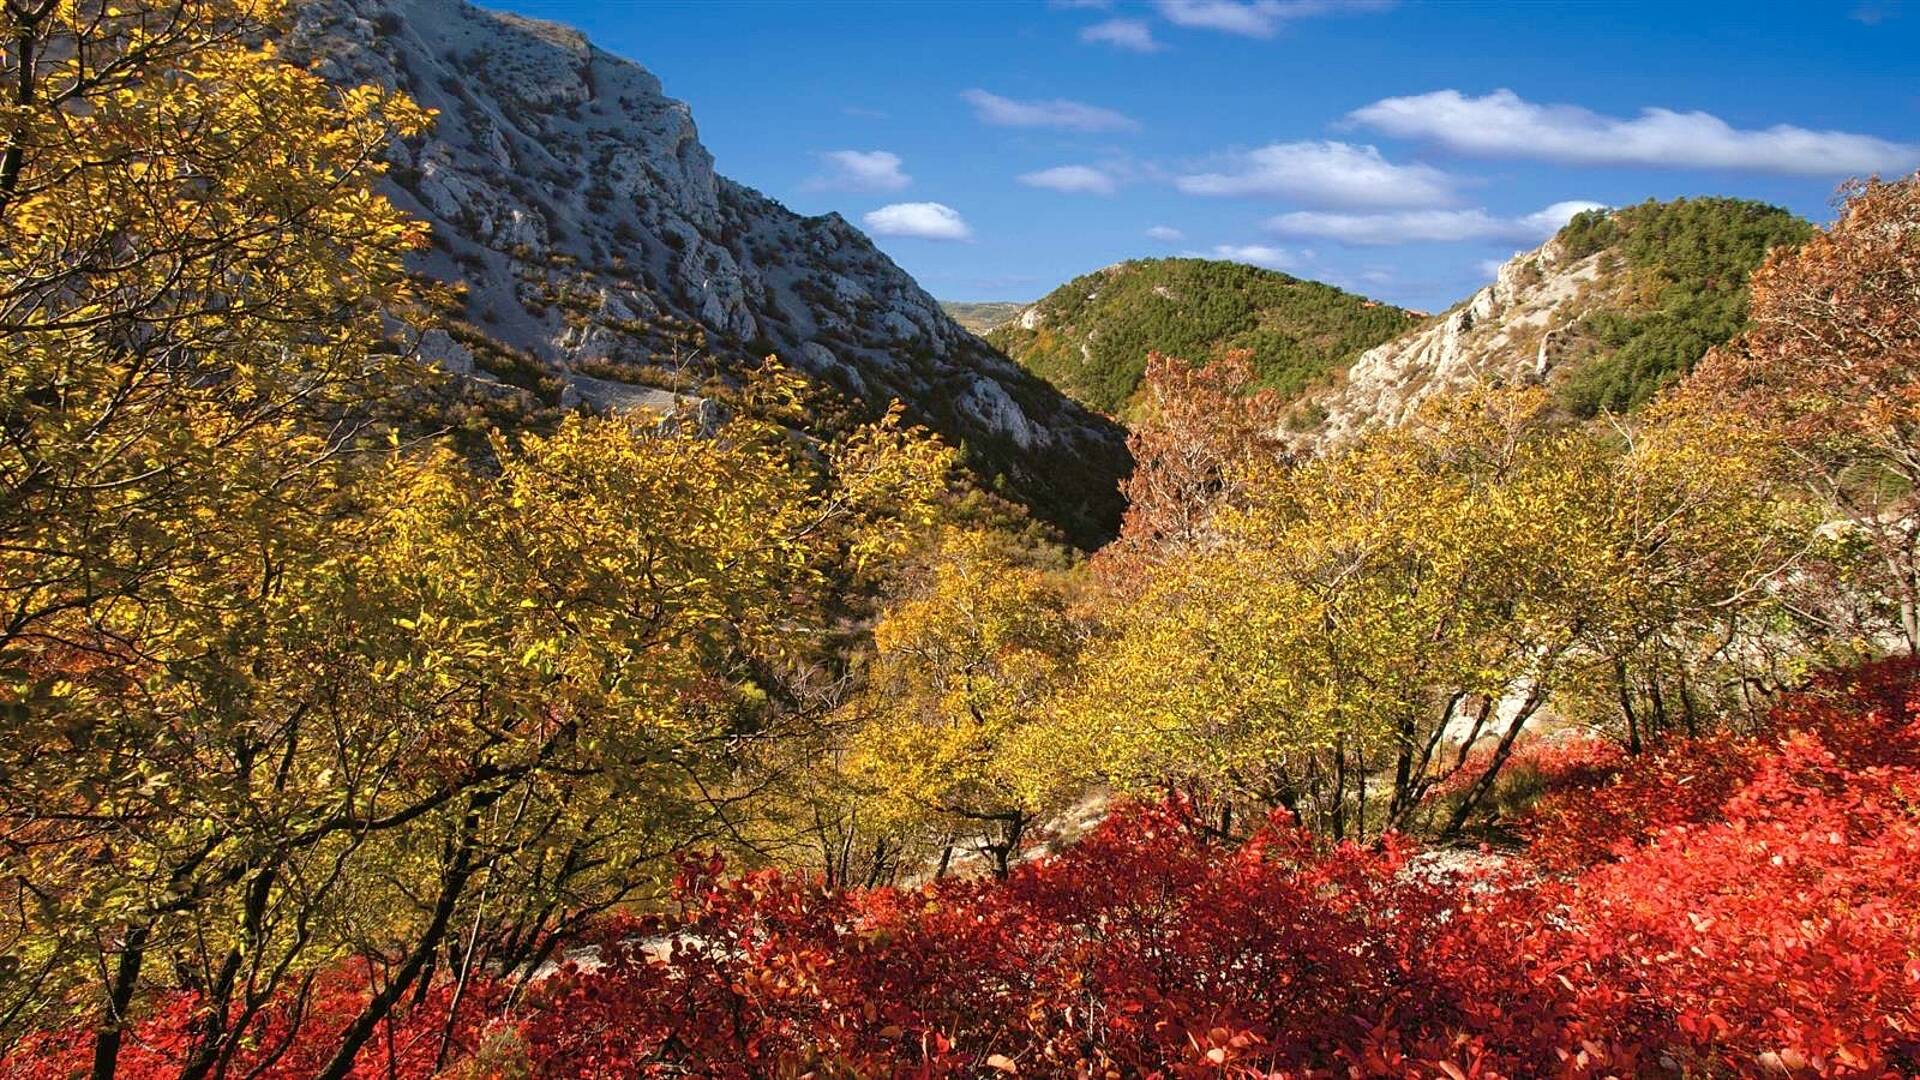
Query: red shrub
[[1865, 716], [1142, 948], [1753, 914], [160, 1040], [1560, 762], [1785, 936]]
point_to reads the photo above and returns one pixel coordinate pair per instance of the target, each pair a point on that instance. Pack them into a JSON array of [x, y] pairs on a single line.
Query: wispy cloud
[[1166, 234], [1263, 255], [1874, 12], [1058, 113], [1324, 173], [1502, 124], [860, 170], [1428, 226], [1255, 18], [1072, 179], [1134, 35], [925, 220]]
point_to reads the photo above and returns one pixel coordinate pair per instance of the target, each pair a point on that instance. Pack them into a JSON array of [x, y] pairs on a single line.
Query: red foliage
[[1756, 917], [1858, 714], [161, 1039], [1569, 763], [1196, 431], [1753, 913]]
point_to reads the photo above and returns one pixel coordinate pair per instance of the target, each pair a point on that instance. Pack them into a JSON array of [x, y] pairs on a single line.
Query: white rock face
[[576, 203], [1503, 334]]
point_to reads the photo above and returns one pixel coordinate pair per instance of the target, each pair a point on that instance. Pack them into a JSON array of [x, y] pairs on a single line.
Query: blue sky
[[1397, 149]]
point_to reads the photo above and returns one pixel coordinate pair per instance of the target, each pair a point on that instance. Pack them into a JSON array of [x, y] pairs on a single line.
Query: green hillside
[[1677, 286], [981, 316], [1090, 337]]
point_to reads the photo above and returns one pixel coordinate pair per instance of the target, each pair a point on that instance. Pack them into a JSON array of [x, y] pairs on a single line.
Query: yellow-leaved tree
[[284, 701], [966, 665], [196, 284], [1362, 620]]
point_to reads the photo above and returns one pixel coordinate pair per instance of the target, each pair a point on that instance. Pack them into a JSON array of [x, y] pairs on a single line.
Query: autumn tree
[[1362, 620], [196, 285], [287, 703], [1198, 435], [1831, 364], [966, 664]]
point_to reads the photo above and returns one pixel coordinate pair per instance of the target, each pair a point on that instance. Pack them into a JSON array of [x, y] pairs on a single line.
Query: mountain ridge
[[594, 247], [1605, 313], [1091, 335]]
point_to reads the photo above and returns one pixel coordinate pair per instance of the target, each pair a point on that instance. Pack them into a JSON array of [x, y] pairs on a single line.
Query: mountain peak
[[575, 204], [1091, 336]]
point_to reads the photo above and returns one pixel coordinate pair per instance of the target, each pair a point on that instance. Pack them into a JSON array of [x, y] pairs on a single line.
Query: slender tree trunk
[[126, 976], [1626, 707], [217, 1036], [1339, 807], [26, 46], [453, 885], [1484, 783]]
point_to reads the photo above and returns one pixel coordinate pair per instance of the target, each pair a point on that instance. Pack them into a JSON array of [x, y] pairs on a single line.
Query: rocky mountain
[[1614, 307], [1091, 336], [597, 258], [982, 316]]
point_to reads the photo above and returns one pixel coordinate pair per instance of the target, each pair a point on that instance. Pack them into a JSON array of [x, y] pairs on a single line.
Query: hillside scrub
[[1094, 333], [1764, 929]]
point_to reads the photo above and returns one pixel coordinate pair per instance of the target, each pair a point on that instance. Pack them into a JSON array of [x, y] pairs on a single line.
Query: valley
[[485, 595]]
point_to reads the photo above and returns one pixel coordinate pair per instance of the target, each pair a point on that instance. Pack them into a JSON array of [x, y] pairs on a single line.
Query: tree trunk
[[1484, 783], [1626, 707], [453, 885], [126, 975], [26, 43]]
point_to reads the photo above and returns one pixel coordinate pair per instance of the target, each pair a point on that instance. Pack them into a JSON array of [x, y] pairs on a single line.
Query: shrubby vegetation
[[981, 316], [1738, 905], [332, 752], [285, 691], [1294, 331], [1686, 264]]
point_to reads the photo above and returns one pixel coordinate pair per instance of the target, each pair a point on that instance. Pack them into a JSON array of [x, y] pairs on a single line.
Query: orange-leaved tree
[[1831, 363]]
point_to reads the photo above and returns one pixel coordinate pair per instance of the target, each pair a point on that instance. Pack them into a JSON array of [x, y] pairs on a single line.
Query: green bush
[[1688, 262]]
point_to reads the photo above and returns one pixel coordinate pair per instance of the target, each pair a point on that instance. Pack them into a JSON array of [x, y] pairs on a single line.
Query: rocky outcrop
[[574, 203], [1506, 333]]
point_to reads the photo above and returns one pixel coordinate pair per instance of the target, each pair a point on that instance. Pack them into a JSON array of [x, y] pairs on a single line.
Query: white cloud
[[860, 170], [1166, 234], [926, 220], [1327, 173], [1502, 124], [1058, 113], [1133, 35], [1428, 226], [1490, 267], [1072, 179], [1255, 18], [1548, 220], [1272, 258]]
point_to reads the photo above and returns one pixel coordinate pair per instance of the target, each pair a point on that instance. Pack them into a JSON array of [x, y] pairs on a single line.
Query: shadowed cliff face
[[576, 205]]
